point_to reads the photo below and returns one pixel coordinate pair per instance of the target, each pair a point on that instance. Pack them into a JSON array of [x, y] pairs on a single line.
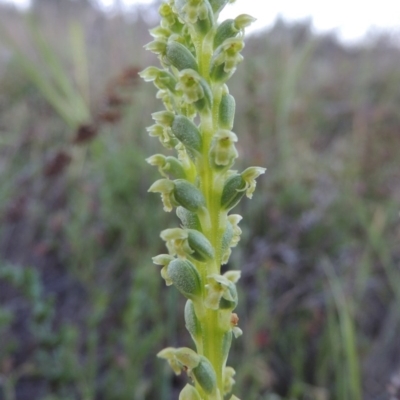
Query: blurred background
[[83, 311]]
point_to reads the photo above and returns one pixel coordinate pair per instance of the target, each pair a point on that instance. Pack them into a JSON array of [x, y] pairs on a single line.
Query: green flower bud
[[221, 291], [164, 135], [205, 375], [189, 392], [185, 278], [229, 373], [174, 167], [167, 166], [202, 248], [233, 191], [227, 111], [191, 321], [223, 151], [179, 56], [162, 79], [226, 58], [187, 195], [233, 397], [225, 30], [189, 219], [231, 27], [195, 89], [186, 132]]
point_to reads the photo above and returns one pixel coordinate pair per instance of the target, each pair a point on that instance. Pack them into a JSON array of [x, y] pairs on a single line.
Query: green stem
[[212, 334]]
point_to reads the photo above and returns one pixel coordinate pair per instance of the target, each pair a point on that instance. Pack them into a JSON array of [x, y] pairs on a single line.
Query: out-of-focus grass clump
[[80, 302]]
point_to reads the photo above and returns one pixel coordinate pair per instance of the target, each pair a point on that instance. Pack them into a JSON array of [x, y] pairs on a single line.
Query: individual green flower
[[250, 175], [167, 166], [234, 220], [187, 242], [165, 136], [168, 17], [226, 58], [164, 118], [166, 188], [162, 79], [158, 160], [221, 287], [231, 28], [194, 10], [169, 355], [179, 192], [164, 260], [195, 89], [179, 359], [231, 237], [177, 242], [160, 33], [223, 151], [189, 85], [157, 46]]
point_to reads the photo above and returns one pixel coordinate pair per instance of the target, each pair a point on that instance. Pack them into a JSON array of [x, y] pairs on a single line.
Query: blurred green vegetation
[[83, 311]]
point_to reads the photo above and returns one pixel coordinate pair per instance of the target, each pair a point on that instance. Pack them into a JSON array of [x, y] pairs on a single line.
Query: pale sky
[[351, 19]]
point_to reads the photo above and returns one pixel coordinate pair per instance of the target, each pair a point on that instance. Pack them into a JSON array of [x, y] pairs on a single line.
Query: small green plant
[[198, 56]]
